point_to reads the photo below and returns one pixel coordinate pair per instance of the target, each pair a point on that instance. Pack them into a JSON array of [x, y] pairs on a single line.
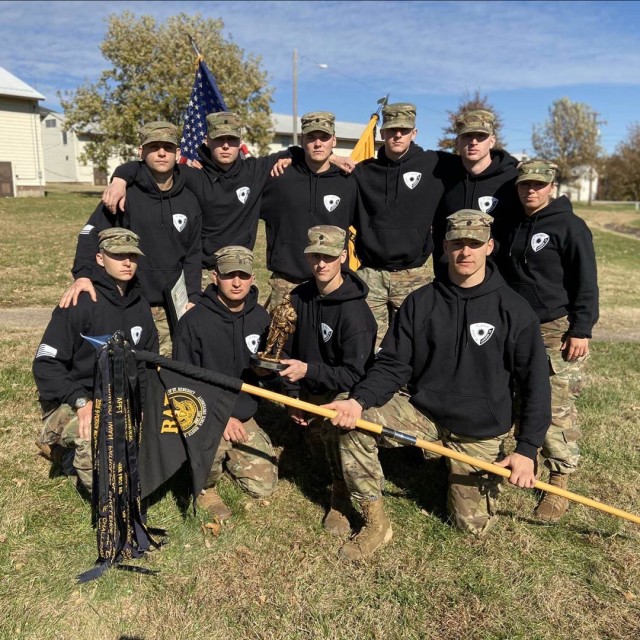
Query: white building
[[63, 151], [21, 157]]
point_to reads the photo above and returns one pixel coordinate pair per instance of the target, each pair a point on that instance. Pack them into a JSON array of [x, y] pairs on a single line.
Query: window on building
[[64, 137], [51, 123]]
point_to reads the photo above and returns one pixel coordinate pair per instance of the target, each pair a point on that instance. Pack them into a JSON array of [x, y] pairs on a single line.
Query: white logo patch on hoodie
[[481, 332], [327, 331], [411, 178], [243, 194], [179, 221], [331, 202], [46, 351], [539, 241], [136, 332], [487, 203], [253, 342]]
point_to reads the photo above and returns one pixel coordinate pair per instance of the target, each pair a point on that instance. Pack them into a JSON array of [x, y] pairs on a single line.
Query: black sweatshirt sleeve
[[128, 171], [192, 265], [87, 247]]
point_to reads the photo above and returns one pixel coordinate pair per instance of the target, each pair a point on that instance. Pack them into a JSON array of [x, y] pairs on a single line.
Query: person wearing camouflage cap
[[64, 362], [479, 176], [165, 215], [312, 189], [221, 333], [398, 195], [549, 259], [330, 351], [459, 345]]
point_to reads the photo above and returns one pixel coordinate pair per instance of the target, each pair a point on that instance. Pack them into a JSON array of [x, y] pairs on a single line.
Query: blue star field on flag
[[205, 98]]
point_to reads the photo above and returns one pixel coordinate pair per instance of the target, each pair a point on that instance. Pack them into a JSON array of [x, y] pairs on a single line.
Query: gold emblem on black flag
[[186, 407]]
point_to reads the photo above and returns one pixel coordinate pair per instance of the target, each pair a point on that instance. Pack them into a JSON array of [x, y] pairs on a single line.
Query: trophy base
[[271, 365]]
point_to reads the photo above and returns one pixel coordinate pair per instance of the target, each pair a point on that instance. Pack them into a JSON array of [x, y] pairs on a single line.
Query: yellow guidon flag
[[364, 149]]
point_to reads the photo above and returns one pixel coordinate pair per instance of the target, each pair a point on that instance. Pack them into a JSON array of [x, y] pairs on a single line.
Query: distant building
[[347, 134], [63, 151], [21, 158]]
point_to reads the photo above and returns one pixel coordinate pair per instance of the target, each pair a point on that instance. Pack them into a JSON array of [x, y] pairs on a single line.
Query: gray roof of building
[[12, 86]]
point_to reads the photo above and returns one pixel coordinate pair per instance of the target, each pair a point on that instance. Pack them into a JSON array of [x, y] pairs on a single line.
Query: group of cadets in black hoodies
[[64, 362]]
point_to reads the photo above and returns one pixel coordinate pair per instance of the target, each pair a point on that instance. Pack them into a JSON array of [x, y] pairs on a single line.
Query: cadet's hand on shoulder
[[295, 371], [188, 306], [346, 165], [70, 296], [115, 195], [348, 412], [574, 348], [280, 166], [522, 470], [234, 431]]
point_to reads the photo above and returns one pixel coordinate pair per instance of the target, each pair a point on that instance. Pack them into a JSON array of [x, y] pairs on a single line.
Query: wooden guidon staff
[[436, 448]]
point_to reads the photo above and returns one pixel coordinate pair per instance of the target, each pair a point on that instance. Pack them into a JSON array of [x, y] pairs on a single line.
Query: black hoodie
[[491, 191], [460, 350], [549, 259], [63, 365], [335, 335], [297, 200], [397, 201], [230, 200], [212, 336], [169, 225]]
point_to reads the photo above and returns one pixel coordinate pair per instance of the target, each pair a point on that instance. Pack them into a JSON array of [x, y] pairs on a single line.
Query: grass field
[[272, 573]]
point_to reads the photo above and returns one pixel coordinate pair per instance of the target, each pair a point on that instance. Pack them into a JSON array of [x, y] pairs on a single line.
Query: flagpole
[[436, 448]]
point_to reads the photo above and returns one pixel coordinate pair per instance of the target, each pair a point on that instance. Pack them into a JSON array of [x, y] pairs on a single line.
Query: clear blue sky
[[522, 55]]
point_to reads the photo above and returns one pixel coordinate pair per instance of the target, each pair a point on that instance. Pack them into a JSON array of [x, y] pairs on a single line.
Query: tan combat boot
[[53, 452], [212, 502], [336, 522], [375, 532], [553, 507]]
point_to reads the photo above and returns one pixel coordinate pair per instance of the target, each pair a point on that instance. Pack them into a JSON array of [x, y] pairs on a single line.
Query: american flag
[[205, 98]]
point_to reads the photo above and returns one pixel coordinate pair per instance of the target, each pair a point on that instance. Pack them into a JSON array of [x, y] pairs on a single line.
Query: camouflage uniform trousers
[[252, 464], [560, 450], [388, 289], [280, 286], [473, 493], [162, 326], [61, 427]]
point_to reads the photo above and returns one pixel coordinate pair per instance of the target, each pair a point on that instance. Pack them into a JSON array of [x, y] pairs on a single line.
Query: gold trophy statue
[[283, 324]]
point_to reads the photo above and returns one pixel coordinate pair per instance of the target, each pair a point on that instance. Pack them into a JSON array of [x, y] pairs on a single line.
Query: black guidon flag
[[115, 438], [186, 412]]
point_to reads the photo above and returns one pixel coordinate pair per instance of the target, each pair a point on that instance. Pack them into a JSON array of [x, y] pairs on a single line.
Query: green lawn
[[273, 572]]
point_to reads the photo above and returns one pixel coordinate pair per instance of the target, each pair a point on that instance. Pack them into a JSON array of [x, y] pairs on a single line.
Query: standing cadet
[[480, 177], [398, 195], [459, 344], [221, 333], [331, 349], [311, 192], [166, 216], [64, 363], [549, 259]]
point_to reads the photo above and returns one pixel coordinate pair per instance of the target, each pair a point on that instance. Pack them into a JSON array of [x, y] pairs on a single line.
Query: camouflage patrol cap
[[476, 121], [536, 171], [160, 131], [326, 240], [318, 121], [224, 123], [234, 258], [119, 240], [469, 224], [399, 115]]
